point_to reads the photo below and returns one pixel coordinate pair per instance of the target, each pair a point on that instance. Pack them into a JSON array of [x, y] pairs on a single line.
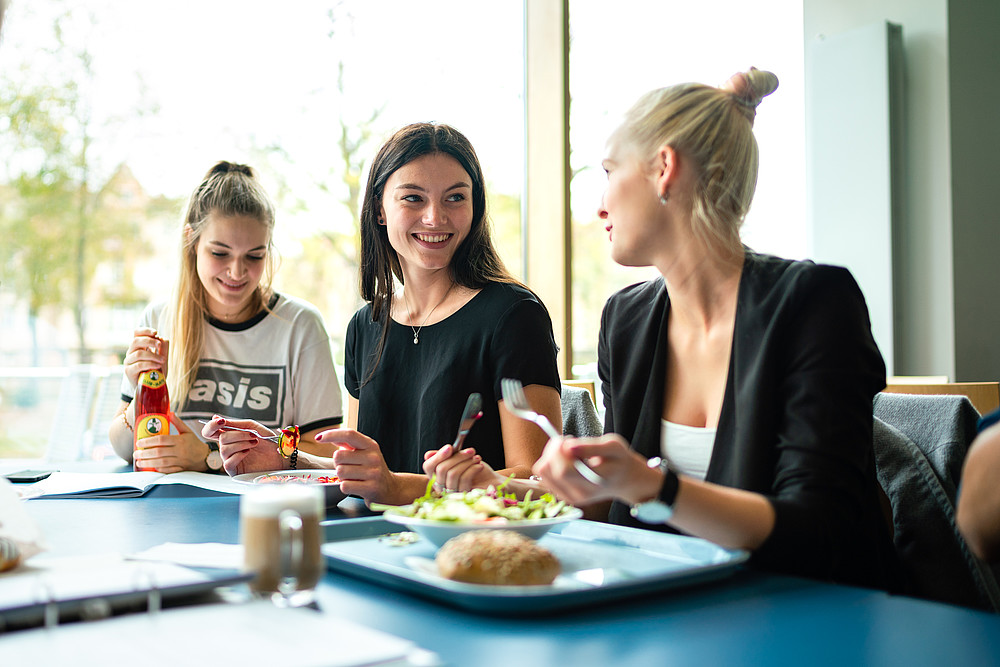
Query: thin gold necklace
[[416, 330]]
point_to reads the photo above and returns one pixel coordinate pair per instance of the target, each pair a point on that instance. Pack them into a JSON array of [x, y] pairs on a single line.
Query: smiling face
[[630, 206], [231, 253], [427, 210]]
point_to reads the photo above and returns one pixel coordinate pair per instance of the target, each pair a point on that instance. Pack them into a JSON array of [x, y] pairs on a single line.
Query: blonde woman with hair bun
[[738, 386]]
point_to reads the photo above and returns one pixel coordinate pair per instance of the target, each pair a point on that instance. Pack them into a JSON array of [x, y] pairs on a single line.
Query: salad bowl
[[438, 532], [438, 516]]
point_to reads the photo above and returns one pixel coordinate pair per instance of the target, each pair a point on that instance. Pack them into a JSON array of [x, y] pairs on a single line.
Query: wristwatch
[[661, 508], [214, 458]]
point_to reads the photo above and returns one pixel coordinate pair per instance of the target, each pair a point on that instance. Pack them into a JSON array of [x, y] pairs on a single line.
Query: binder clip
[[45, 597], [146, 581]]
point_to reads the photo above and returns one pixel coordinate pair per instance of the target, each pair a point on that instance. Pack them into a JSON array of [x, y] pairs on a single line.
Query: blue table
[[748, 619]]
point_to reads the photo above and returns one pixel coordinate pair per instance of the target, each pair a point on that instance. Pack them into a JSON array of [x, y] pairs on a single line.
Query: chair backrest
[[107, 400], [583, 384], [580, 418], [985, 396], [89, 398], [920, 442], [72, 418]]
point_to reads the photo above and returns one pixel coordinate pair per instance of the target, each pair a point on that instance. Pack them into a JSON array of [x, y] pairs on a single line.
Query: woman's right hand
[[146, 352], [622, 470]]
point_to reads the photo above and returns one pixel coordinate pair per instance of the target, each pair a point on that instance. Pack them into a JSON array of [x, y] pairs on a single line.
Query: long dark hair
[[476, 261]]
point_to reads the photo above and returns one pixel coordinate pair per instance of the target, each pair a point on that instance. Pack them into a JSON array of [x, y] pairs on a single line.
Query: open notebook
[[123, 484], [47, 590]]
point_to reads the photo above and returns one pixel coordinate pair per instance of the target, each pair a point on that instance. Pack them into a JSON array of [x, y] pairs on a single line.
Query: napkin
[[16, 525], [208, 554]]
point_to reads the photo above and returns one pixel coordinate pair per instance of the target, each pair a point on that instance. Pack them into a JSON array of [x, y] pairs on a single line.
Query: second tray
[[600, 562]]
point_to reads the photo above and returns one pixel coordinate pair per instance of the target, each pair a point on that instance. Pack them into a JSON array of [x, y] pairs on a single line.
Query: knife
[[473, 411]]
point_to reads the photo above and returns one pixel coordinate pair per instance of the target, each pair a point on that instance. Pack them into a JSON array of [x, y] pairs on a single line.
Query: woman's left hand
[[172, 453], [463, 470]]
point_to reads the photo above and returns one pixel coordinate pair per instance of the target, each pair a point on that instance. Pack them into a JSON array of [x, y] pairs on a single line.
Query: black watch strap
[[671, 482]]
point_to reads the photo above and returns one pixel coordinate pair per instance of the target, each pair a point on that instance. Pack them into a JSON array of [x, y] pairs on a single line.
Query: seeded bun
[[498, 558]]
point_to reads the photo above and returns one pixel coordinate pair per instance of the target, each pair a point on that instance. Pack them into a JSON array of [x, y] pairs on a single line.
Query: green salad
[[479, 505]]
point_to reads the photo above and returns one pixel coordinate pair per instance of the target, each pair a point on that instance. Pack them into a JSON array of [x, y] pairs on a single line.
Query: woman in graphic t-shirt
[[236, 348]]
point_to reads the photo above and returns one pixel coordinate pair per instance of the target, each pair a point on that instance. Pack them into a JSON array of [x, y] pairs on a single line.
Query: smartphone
[[27, 476]]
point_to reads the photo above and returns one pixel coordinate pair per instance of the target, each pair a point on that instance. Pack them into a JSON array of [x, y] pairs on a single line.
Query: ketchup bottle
[[152, 404]]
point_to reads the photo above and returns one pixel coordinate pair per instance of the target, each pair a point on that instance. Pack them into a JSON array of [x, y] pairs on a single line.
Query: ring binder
[[58, 592]]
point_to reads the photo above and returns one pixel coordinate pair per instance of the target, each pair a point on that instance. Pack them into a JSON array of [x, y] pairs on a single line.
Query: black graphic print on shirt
[[234, 390]]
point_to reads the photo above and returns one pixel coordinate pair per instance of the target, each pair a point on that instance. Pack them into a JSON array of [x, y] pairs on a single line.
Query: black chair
[[920, 443]]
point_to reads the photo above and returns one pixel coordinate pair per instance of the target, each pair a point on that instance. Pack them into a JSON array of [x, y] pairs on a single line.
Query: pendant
[[416, 338]]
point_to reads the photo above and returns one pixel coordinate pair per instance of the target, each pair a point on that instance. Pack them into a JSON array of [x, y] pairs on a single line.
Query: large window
[[113, 110], [618, 54]]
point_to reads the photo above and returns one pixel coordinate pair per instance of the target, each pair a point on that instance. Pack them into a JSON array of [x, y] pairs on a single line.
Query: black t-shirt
[[414, 401]]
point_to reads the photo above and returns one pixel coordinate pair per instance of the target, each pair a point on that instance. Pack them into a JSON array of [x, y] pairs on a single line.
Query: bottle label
[[151, 424], [153, 379]]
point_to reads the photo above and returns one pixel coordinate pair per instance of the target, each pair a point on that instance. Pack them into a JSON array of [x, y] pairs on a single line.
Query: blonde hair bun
[[749, 88]]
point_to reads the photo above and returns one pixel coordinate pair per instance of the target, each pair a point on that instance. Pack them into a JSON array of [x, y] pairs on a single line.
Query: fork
[[517, 404], [272, 438]]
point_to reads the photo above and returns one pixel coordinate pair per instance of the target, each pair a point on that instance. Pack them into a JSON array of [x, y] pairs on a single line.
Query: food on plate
[[279, 478], [498, 558], [10, 555], [400, 539], [479, 506]]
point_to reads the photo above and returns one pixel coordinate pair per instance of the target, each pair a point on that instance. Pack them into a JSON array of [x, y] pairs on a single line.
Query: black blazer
[[796, 421]]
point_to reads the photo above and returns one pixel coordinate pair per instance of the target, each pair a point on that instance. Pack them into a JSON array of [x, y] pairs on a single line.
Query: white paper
[[247, 634], [208, 554], [16, 524]]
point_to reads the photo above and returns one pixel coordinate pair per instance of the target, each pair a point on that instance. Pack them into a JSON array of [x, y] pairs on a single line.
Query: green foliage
[[59, 217]]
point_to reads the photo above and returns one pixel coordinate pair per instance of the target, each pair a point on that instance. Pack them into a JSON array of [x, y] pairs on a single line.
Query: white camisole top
[[687, 449]]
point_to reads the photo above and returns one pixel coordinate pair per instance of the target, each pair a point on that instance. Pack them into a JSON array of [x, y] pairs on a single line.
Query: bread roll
[[496, 557], [10, 555]]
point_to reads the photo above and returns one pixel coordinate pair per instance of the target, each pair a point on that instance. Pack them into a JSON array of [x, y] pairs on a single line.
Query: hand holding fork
[[517, 404]]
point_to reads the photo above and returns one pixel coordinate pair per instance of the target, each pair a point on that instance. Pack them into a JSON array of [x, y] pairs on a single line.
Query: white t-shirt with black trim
[[276, 368]]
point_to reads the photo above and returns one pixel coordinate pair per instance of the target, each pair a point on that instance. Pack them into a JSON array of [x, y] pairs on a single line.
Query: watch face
[[214, 459], [653, 512]]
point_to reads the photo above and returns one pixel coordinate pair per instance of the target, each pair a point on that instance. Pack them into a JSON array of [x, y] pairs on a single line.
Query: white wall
[[853, 143], [925, 307]]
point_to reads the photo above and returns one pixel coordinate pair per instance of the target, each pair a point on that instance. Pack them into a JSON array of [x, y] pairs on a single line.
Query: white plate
[[331, 490], [439, 532]]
